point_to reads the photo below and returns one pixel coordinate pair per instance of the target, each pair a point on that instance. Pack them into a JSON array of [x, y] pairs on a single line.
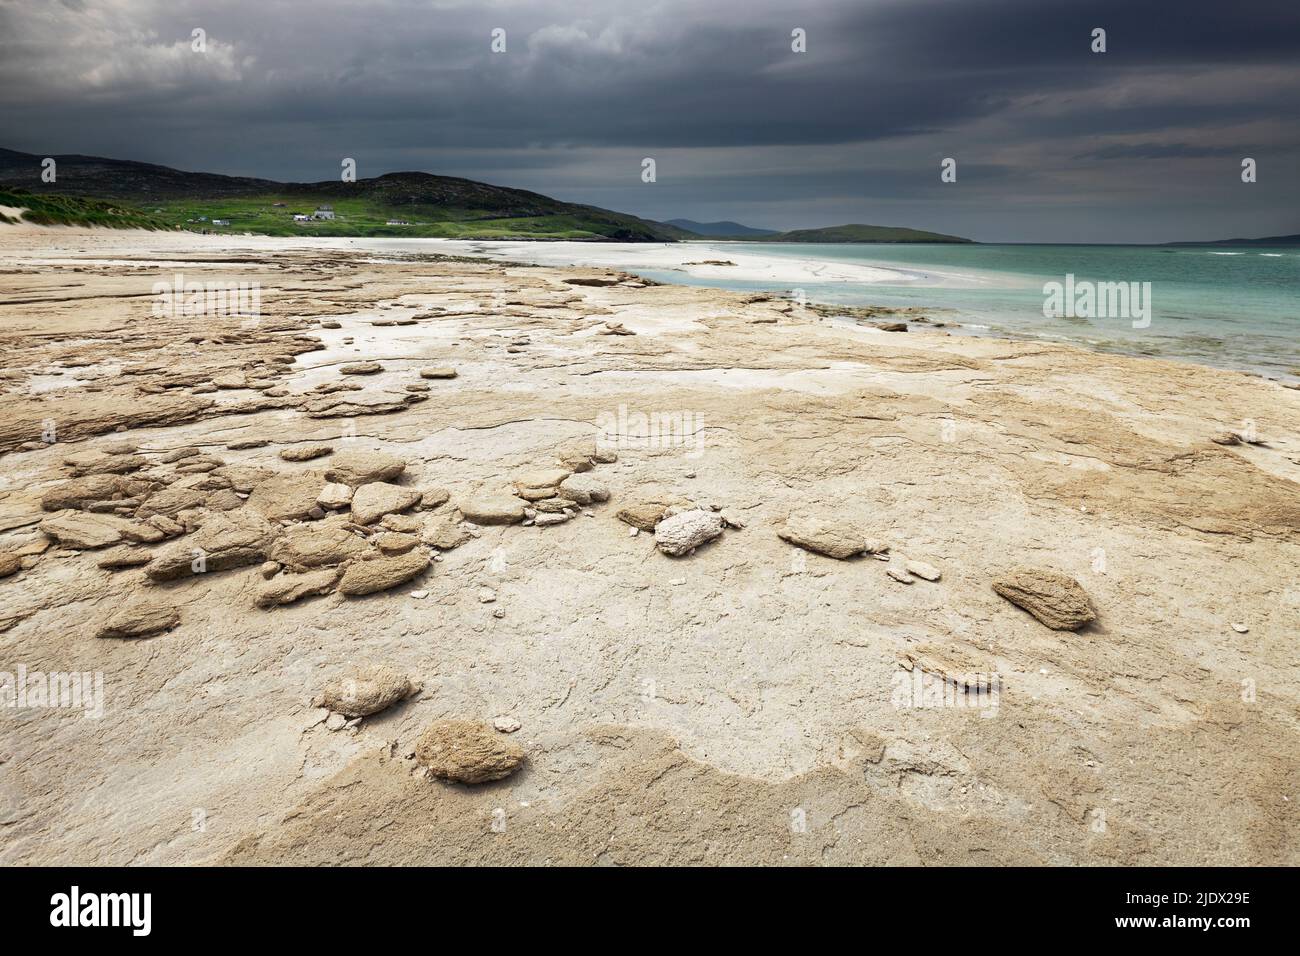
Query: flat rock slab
[[359, 467], [440, 372], [140, 617], [361, 368], [1056, 599], [467, 751], [308, 546], [288, 587], [305, 452], [226, 540], [493, 509], [378, 498], [826, 535], [290, 497], [380, 574]]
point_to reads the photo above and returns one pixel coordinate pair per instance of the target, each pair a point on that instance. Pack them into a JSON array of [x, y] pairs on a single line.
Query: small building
[[398, 222], [277, 204], [323, 212], [301, 217], [221, 222]]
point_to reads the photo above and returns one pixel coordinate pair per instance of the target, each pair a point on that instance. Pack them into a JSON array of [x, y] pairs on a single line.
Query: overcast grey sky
[[1052, 142]]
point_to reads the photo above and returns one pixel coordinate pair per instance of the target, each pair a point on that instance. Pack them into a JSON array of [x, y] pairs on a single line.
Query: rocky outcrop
[[229, 540]]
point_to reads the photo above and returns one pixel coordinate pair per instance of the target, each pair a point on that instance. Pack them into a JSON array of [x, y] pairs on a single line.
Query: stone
[[80, 492], [335, 722], [358, 467], [246, 444], [584, 489], [270, 569], [493, 509], [139, 617], [334, 496], [228, 540], [360, 368], [403, 524], [902, 577], [922, 570], [467, 751], [505, 725], [486, 595], [438, 372], [550, 520], [545, 479], [289, 587], [1055, 599], [10, 564], [306, 546], [434, 497], [831, 536], [85, 532], [116, 559], [287, 497], [98, 463], [394, 542], [684, 532], [444, 533], [644, 515], [375, 499], [305, 452], [380, 574], [171, 501], [364, 691]]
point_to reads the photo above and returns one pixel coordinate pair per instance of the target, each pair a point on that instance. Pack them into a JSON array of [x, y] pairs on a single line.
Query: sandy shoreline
[[739, 703]]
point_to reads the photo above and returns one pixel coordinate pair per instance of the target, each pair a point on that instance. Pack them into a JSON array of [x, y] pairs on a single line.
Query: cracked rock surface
[[669, 710]]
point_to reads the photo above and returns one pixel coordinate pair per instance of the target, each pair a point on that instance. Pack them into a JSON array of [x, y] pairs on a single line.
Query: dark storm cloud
[[741, 126]]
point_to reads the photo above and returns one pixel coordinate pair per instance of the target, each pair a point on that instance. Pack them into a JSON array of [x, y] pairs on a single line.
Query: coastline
[[669, 687]]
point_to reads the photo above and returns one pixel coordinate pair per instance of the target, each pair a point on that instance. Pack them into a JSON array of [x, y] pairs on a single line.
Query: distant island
[[720, 230], [120, 193], [1266, 241]]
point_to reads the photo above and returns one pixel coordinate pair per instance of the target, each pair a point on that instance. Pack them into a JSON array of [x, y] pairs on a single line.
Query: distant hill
[[418, 204], [857, 232], [719, 230], [1267, 241], [73, 211]]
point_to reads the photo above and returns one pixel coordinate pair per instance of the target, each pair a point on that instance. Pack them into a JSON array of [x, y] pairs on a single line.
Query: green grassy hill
[[432, 206], [857, 232]]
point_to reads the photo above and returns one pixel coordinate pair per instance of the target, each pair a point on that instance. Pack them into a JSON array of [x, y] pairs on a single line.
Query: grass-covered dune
[[53, 210]]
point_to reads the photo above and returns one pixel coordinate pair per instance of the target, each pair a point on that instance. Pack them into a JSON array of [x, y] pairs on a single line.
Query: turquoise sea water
[[1232, 307]]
